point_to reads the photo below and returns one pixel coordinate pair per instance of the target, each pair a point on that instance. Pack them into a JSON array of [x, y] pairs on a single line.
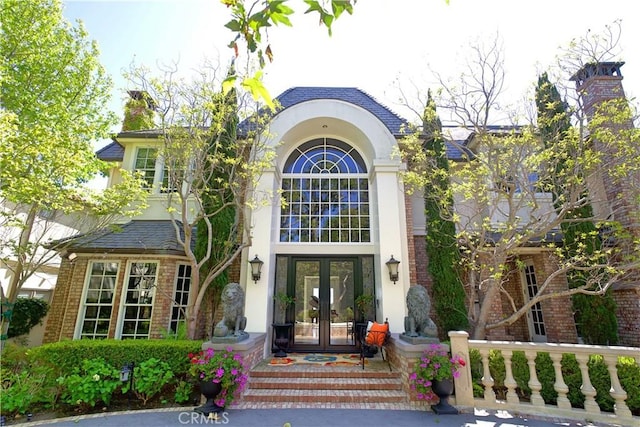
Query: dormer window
[[146, 164]]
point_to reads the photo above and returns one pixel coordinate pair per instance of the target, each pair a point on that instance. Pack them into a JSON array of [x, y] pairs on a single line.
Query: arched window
[[326, 194]]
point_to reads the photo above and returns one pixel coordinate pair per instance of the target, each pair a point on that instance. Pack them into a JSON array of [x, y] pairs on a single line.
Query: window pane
[[317, 215]]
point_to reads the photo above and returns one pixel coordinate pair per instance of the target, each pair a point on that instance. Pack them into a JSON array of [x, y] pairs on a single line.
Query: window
[[138, 300], [98, 300], [146, 164], [536, 320], [180, 296], [326, 194]]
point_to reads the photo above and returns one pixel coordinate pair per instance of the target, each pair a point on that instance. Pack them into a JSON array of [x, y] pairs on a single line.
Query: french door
[[325, 289]]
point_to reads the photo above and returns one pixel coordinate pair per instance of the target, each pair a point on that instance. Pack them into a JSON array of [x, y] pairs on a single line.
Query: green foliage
[[53, 92], [27, 313], [441, 243], [36, 378], [137, 115], [22, 388], [250, 21], [69, 354], [149, 378], [94, 382], [183, 391]]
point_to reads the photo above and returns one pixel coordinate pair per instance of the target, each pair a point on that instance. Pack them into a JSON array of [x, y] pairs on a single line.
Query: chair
[[373, 339]]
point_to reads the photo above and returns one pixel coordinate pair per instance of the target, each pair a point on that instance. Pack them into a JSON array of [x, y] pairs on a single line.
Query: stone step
[[325, 383]]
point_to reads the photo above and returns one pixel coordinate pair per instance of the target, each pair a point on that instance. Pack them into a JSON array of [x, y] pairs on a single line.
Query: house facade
[[346, 221]]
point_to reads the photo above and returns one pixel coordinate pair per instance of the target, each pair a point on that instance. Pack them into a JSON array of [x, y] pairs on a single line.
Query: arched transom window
[[326, 193]]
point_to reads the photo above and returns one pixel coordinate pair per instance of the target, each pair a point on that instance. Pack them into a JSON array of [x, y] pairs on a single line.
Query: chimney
[[597, 83], [139, 111]]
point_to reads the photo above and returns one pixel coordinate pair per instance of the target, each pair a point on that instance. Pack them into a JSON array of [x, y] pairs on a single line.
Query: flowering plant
[[434, 364], [222, 366]]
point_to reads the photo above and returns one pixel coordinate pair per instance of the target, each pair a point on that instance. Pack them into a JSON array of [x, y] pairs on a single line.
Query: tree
[[211, 172], [504, 205], [595, 317], [53, 92], [250, 20], [442, 250]]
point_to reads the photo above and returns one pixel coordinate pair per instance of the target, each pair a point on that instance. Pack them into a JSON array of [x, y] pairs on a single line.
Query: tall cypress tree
[[442, 247], [214, 199], [595, 316]]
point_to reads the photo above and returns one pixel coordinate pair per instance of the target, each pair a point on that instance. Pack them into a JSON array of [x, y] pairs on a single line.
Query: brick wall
[[557, 312], [67, 298], [603, 85], [628, 314]]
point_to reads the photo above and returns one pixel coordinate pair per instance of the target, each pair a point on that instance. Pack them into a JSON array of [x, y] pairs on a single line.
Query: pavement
[[316, 417]]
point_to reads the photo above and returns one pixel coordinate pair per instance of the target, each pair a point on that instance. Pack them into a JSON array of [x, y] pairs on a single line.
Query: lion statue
[[418, 323], [233, 320]]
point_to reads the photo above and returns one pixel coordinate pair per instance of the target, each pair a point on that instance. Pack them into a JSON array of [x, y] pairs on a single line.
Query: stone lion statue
[[418, 323], [233, 320]]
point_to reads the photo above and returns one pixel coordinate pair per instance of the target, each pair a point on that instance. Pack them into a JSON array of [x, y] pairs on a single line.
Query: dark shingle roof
[[113, 152], [138, 236], [355, 96]]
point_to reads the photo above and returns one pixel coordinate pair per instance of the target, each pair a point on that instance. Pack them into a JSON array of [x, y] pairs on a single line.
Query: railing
[[461, 345]]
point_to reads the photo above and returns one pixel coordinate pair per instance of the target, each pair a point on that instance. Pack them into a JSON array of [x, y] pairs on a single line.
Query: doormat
[[317, 359]]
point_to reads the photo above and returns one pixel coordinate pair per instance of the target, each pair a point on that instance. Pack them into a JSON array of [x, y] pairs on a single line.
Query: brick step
[[323, 396], [325, 383], [270, 372]]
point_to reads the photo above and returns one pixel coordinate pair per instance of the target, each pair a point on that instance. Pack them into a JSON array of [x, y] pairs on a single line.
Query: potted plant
[[283, 301], [363, 303], [433, 375], [222, 377]]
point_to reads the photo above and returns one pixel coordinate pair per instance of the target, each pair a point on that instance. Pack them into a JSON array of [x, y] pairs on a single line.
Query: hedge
[[66, 372], [67, 355]]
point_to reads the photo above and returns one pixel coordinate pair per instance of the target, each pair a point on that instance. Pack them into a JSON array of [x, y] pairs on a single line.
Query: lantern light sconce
[[256, 266], [392, 265]]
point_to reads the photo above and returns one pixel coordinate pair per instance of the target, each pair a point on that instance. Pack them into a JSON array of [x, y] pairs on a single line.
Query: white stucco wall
[[359, 128]]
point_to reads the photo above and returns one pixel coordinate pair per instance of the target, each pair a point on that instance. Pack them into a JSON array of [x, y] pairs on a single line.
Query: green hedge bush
[[67, 355], [82, 373], [628, 373]]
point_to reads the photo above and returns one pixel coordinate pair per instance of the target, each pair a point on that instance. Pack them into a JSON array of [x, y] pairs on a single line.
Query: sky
[[386, 47]]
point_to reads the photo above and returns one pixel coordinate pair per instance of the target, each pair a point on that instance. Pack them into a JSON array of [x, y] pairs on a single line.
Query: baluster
[[509, 381], [534, 383], [487, 380], [560, 386], [617, 392], [587, 388]]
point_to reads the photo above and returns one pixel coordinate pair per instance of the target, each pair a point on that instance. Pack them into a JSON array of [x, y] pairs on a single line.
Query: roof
[[351, 95], [113, 152], [455, 146], [137, 236]]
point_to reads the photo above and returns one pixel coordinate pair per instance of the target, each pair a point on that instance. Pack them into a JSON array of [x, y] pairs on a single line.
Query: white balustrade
[[464, 390]]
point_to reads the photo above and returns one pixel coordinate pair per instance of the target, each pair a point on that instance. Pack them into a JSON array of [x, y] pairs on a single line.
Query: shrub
[[20, 390], [150, 377], [70, 354], [94, 382], [27, 313]]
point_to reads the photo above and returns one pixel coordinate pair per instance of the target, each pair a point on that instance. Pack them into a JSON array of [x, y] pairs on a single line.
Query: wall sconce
[[392, 265], [256, 266]]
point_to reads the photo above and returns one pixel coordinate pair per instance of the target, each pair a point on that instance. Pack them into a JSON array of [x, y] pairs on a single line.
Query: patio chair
[[373, 337]]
